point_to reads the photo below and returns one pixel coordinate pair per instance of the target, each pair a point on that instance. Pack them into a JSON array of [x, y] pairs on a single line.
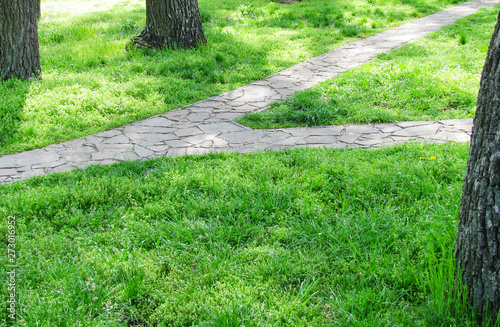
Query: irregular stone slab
[[174, 152], [286, 92], [228, 116], [217, 128], [29, 174], [93, 139], [451, 137], [349, 138], [109, 134], [73, 158], [253, 93], [201, 110], [375, 136], [26, 158], [141, 129], [188, 131], [173, 116], [316, 131], [405, 139], [77, 149], [233, 95], [48, 165], [361, 129], [274, 136], [213, 102], [292, 140], [159, 148], [113, 148], [368, 142], [459, 124], [147, 140], [55, 148], [8, 171], [387, 127], [118, 139], [198, 139], [330, 146], [99, 156], [217, 142], [25, 168], [427, 130], [143, 152], [321, 139], [156, 121], [177, 144], [405, 124], [198, 117], [126, 156], [243, 137]]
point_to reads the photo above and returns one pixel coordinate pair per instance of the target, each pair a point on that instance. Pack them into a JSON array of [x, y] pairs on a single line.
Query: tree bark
[[19, 51], [172, 24], [477, 246]]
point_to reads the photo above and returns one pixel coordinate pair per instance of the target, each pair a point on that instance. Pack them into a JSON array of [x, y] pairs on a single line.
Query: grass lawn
[[91, 83], [305, 237], [433, 78]]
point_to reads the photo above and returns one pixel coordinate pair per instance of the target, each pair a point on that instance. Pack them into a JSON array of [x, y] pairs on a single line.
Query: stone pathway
[[209, 126]]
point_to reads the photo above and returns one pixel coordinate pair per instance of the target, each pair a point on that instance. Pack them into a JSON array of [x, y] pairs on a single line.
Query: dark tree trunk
[[171, 23], [19, 52], [477, 248]]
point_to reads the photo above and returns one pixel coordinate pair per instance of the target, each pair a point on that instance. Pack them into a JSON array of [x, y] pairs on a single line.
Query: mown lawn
[[304, 237], [433, 78], [91, 83]]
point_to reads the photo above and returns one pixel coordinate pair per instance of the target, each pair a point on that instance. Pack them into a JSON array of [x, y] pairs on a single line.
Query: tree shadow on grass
[[13, 94]]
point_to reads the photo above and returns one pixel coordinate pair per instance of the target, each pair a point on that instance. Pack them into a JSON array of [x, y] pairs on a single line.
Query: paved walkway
[[208, 125]]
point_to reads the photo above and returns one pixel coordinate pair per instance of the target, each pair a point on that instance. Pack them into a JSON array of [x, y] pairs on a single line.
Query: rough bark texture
[[19, 52], [172, 24], [477, 249]]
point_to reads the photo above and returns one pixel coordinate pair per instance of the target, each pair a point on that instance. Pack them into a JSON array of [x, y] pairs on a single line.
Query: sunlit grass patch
[[433, 78], [299, 237]]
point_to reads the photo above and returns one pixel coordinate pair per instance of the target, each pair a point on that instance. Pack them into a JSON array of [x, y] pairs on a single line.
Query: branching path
[[208, 125]]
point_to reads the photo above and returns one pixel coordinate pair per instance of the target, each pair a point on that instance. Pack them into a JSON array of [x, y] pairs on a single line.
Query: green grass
[[90, 83], [433, 78], [305, 237]]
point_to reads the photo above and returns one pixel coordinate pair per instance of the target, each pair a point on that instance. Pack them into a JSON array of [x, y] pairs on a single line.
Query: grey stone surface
[[198, 139], [349, 138], [207, 126], [143, 152], [219, 127]]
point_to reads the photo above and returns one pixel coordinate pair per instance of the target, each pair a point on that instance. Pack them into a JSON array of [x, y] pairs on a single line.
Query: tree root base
[[138, 42]]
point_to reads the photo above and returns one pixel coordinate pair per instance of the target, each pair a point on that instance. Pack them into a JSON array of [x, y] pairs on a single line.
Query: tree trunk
[[19, 52], [477, 247], [172, 24]]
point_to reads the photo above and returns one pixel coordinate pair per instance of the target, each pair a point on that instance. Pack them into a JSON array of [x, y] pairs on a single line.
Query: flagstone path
[[209, 126]]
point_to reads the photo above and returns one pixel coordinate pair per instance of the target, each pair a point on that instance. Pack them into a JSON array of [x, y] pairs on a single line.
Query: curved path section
[[209, 126]]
